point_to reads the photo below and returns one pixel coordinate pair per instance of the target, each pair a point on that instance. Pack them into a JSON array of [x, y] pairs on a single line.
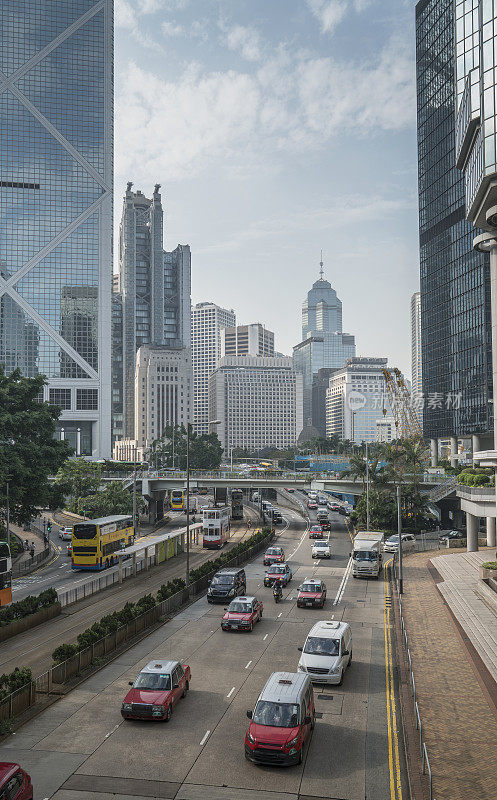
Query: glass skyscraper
[[323, 346], [455, 289], [56, 169]]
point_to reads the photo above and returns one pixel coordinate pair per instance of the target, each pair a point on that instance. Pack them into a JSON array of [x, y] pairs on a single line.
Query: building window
[[87, 399], [61, 397]]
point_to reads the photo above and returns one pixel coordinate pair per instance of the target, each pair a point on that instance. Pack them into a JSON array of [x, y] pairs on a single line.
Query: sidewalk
[[454, 689], [25, 556]]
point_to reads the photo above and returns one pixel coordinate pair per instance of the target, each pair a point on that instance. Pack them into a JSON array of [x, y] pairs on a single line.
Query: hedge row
[[117, 619], [476, 476], [14, 680], [23, 608]]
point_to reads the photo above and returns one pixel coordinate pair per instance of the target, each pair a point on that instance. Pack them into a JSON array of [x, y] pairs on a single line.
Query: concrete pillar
[[434, 452], [147, 565], [453, 451], [156, 554], [491, 537], [134, 564], [472, 532], [475, 441], [493, 313], [120, 569]]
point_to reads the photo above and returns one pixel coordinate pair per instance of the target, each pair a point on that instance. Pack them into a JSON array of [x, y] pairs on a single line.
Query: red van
[[15, 783], [281, 721]]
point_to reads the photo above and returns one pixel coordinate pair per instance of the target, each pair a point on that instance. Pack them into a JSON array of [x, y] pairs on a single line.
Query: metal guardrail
[[412, 685], [25, 567]]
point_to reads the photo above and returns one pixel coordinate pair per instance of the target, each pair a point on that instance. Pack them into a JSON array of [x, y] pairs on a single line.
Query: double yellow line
[[392, 727]]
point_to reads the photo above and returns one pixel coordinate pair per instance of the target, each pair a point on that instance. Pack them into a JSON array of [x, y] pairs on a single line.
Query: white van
[[327, 652]]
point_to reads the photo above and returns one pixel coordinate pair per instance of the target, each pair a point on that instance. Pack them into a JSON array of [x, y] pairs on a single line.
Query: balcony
[[468, 117]]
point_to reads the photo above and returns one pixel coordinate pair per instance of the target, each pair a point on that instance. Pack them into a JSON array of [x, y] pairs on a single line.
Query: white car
[[392, 544], [321, 549], [327, 652], [65, 534]]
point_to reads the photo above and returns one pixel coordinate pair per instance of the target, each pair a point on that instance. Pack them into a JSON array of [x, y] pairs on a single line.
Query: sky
[[278, 128]]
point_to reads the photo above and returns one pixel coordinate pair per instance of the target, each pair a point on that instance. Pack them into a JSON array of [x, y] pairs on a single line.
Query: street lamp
[[399, 531]]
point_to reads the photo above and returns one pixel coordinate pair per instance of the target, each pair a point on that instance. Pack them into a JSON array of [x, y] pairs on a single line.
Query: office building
[[355, 400], [155, 289], [454, 279], [163, 381], [416, 361], [258, 400], [56, 174], [208, 320], [246, 340], [386, 430], [117, 364], [323, 345]]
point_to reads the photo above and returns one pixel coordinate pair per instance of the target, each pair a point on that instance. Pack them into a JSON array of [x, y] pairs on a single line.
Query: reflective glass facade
[[455, 289], [56, 165]]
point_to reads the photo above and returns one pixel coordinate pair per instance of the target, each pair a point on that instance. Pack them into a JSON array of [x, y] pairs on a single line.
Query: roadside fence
[[52, 681], [425, 761], [26, 566]]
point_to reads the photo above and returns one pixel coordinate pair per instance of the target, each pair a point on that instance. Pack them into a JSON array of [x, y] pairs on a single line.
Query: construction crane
[[406, 421]]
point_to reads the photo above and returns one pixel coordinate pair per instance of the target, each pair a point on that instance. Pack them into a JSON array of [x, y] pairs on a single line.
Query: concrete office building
[[258, 401], [323, 345], [247, 340], [155, 287], [163, 381], [355, 400], [207, 321], [454, 278], [386, 430], [475, 27], [56, 175]]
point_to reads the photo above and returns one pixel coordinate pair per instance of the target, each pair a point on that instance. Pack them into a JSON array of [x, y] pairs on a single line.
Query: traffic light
[[49, 526]]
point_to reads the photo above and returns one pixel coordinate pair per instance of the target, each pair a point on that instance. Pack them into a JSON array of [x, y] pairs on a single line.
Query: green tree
[[29, 453], [114, 499], [205, 449], [77, 479]]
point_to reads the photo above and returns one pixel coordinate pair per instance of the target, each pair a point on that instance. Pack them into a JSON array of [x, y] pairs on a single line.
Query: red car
[[312, 593], [311, 504], [15, 783], [156, 691], [316, 532], [289, 489], [274, 555], [242, 614]]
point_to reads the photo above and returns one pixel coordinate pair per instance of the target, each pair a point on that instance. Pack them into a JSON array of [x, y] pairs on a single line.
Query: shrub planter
[[484, 573], [31, 621]]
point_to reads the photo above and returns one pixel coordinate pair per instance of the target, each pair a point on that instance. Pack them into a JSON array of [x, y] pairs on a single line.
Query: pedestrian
[[32, 550], [26, 545]]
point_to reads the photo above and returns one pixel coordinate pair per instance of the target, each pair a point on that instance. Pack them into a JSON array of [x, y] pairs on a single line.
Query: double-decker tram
[[95, 542], [178, 500], [216, 527], [236, 504], [5, 575]]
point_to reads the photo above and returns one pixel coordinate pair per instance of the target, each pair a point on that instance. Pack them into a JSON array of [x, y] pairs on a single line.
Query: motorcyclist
[[277, 591], [249, 524]]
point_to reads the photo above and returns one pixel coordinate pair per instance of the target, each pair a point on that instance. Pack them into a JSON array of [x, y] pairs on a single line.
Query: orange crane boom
[[406, 420]]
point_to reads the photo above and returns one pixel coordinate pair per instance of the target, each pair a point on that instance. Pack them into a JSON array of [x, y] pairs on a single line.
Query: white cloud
[[170, 29], [125, 16], [239, 120], [246, 40], [330, 13]]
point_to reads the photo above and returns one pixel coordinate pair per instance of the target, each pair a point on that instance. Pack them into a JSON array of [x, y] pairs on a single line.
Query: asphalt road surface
[[81, 749]]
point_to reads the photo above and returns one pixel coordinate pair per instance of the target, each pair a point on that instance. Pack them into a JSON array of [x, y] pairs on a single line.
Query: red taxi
[[278, 572], [316, 532], [312, 594], [281, 721], [156, 691], [312, 504], [274, 555], [15, 783], [242, 614]]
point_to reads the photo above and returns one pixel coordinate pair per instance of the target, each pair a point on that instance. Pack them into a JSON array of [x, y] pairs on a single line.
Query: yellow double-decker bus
[[95, 542]]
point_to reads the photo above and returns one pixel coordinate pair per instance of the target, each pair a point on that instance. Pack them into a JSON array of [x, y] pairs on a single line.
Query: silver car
[[321, 550]]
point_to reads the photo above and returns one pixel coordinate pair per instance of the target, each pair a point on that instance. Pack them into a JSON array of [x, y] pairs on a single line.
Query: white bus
[[216, 527]]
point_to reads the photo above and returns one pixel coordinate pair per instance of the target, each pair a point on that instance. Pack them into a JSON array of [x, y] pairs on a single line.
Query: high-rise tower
[[56, 172], [323, 346]]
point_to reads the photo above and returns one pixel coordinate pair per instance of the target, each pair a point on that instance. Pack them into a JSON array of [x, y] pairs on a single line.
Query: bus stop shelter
[[163, 547]]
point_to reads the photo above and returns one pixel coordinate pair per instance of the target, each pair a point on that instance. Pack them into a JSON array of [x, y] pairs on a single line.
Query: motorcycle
[[277, 592]]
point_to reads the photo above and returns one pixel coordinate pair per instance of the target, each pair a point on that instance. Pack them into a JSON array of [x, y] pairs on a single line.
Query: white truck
[[367, 555]]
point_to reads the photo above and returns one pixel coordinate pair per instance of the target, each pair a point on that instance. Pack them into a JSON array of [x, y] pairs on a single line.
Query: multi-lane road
[[81, 749]]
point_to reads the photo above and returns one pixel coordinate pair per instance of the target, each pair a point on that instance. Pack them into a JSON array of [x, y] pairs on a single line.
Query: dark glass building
[[455, 283], [56, 174]]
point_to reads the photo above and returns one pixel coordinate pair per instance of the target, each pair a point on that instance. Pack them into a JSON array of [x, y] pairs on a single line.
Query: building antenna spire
[[321, 265]]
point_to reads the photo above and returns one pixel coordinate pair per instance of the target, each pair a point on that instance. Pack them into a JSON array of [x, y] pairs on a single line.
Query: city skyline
[[281, 157]]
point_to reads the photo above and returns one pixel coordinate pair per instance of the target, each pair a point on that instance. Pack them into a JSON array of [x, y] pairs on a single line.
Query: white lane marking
[[112, 731], [265, 637], [248, 665], [343, 584], [205, 738], [279, 615], [230, 692]]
